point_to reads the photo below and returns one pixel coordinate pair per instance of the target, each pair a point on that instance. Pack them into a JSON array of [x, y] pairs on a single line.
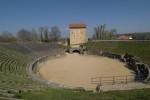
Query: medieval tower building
[[78, 34]]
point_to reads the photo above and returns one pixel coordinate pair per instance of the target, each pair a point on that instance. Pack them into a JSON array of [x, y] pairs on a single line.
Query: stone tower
[[78, 34]]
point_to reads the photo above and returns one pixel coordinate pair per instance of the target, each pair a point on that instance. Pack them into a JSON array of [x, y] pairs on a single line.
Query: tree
[[24, 35], [41, 30], [55, 33], [34, 36], [7, 37], [97, 31], [42, 40], [46, 34], [112, 34], [102, 33]]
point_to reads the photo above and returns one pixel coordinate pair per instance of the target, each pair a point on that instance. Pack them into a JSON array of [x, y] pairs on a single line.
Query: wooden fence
[[113, 79]]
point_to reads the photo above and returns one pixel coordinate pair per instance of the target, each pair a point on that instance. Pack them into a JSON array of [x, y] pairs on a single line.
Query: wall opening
[[76, 51]]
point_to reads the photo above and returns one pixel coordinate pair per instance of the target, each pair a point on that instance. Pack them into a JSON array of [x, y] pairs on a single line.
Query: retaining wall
[[142, 70], [32, 68]]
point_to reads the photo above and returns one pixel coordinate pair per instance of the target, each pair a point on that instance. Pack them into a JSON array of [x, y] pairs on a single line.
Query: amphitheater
[[28, 66], [77, 70]]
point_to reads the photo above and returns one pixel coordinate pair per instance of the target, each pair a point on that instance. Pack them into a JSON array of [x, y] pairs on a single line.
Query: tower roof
[[77, 25]]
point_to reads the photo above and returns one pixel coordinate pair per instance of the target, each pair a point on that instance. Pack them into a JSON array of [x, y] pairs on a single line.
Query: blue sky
[[123, 15]]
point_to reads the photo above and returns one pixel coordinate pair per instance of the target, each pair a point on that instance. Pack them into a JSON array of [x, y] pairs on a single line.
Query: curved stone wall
[[32, 67], [142, 70]]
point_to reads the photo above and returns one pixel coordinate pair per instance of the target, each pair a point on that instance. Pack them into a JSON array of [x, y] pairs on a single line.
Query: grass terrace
[[13, 74], [33, 50], [14, 59], [140, 50]]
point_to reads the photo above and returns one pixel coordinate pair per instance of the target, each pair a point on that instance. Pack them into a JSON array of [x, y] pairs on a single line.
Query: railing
[[112, 79], [118, 79], [142, 71]]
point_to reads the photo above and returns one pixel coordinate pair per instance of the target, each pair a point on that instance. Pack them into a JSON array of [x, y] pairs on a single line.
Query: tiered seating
[[39, 50], [34, 50], [13, 61], [16, 47], [13, 71]]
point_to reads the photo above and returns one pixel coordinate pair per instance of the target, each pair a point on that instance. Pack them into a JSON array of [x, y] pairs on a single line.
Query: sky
[[124, 15]]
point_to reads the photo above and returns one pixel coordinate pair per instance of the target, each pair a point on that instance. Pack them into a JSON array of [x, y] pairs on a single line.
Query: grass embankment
[[140, 49], [56, 94]]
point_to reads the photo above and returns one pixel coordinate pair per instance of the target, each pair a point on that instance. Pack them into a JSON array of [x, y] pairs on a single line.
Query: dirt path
[[77, 70]]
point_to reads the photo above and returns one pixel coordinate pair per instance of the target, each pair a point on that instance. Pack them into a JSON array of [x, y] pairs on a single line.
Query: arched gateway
[[78, 36]]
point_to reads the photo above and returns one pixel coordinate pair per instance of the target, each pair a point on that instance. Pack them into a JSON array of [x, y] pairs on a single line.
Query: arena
[[77, 70]]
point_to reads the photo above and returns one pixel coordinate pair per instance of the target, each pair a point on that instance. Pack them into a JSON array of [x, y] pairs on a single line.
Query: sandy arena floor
[[77, 70]]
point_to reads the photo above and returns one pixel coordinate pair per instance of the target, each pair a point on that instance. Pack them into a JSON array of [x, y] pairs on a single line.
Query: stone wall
[[32, 68], [78, 36], [142, 71]]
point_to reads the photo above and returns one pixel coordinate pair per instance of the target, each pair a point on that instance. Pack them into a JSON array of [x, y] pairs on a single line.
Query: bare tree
[[24, 35], [96, 33], [55, 33], [34, 35], [112, 33], [101, 32], [7, 37], [41, 36], [41, 30], [46, 32]]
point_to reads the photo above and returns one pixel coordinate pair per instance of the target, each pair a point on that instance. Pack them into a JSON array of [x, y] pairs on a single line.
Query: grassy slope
[[138, 49], [55, 94]]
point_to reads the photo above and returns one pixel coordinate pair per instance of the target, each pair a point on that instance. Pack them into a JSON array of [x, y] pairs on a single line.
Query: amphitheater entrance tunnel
[[76, 51], [80, 49]]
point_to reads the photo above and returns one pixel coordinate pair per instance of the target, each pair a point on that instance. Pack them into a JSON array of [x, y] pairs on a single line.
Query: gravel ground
[[77, 70]]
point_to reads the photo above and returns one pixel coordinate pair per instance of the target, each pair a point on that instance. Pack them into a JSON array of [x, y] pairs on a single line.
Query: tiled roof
[[77, 26]]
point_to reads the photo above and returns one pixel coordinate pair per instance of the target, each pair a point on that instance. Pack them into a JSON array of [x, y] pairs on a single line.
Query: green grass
[[140, 50], [56, 94]]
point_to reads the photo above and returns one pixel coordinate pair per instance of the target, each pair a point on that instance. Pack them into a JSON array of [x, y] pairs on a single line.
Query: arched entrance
[[76, 51]]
